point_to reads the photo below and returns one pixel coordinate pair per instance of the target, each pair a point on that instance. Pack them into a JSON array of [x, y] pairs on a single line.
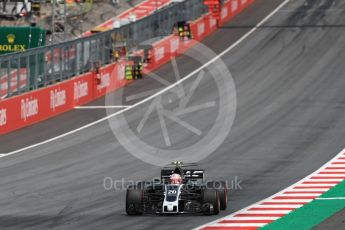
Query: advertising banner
[[39, 105], [18, 39]]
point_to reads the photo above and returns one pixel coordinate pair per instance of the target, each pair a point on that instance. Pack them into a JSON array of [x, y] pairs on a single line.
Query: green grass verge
[[313, 213]]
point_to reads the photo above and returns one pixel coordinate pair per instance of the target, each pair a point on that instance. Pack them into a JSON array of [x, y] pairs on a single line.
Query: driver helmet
[[175, 179]]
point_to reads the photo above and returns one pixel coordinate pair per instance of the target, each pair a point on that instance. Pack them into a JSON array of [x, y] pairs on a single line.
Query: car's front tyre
[[134, 201]]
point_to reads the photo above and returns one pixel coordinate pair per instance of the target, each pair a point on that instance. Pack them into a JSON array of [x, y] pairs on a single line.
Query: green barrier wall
[[18, 39]]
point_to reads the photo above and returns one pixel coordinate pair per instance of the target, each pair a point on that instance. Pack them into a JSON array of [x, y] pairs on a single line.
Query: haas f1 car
[[181, 189]]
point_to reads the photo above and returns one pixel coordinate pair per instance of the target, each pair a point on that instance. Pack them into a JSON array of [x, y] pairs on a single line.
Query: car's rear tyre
[[223, 198], [211, 197], [134, 201], [220, 186]]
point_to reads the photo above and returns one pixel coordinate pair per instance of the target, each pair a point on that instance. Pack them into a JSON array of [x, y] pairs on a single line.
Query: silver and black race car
[[193, 195]]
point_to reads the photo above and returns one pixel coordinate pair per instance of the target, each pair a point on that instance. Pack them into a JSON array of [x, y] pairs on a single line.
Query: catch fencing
[[40, 67]]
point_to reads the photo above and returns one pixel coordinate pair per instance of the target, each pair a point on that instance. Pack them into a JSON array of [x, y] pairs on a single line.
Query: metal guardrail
[[43, 66]]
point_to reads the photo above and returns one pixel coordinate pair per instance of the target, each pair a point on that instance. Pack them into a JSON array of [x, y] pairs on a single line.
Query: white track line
[[263, 212], [309, 190], [302, 194], [280, 206], [238, 42], [241, 225], [331, 198], [290, 200], [258, 218], [325, 180], [336, 170], [102, 107], [331, 176], [315, 185]]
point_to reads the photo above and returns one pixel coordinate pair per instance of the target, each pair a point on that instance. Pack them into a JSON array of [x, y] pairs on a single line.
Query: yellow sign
[[12, 47], [10, 38]]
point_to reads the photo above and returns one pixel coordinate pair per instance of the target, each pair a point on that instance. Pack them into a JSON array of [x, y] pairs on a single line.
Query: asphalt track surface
[[334, 222], [290, 121]]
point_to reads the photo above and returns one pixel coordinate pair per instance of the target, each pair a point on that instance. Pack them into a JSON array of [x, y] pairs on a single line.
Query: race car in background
[[181, 189]]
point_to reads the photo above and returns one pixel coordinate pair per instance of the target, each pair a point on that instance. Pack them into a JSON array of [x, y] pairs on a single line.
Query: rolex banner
[[19, 39]]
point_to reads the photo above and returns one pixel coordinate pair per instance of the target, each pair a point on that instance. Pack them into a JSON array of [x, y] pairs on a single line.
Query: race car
[[181, 189]]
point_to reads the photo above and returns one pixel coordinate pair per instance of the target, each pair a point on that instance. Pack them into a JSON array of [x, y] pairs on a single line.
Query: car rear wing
[[189, 174]]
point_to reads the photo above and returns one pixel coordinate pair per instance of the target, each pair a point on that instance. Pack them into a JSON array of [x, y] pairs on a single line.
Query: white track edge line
[[102, 107]]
